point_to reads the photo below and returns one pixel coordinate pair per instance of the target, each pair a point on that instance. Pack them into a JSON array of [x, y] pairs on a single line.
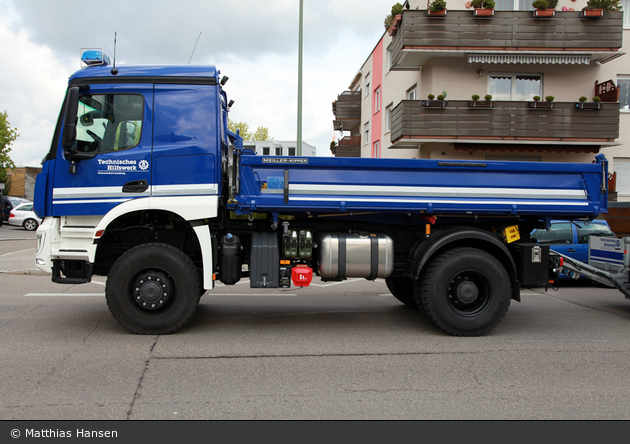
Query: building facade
[[22, 182], [511, 55], [280, 148]]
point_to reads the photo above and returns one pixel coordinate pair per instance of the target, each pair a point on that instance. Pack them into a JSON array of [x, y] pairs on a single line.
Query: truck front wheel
[[153, 289], [465, 291]]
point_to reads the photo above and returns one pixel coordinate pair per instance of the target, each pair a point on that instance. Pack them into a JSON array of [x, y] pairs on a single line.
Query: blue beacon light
[[93, 57]]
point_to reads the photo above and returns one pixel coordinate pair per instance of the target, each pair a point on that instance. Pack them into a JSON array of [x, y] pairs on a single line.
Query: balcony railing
[[347, 111], [349, 146], [469, 122], [420, 37]]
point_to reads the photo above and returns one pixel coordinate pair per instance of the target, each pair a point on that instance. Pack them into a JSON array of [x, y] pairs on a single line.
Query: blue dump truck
[[145, 184]]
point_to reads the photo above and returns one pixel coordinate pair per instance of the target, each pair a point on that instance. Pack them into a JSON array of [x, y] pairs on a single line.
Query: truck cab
[[133, 141]]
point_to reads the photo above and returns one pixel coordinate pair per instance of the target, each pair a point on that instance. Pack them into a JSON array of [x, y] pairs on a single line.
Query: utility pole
[[299, 111]]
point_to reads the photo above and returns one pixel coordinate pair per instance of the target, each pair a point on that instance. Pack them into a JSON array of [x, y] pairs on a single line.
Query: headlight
[[41, 237]]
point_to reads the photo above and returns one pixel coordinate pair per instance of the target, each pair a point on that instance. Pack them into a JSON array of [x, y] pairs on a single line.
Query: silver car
[[23, 216]]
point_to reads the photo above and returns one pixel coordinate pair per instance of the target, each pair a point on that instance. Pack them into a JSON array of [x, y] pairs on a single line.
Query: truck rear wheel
[[153, 289], [402, 289], [465, 291]]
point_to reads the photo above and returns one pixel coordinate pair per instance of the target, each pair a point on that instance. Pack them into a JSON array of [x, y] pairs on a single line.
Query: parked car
[[8, 203], [571, 238], [24, 216]]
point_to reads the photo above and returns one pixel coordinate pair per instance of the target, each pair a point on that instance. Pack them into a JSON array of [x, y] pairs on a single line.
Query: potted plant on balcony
[[596, 8], [549, 101], [583, 104], [483, 8], [393, 20], [437, 8], [439, 103], [537, 103], [476, 103], [544, 8]]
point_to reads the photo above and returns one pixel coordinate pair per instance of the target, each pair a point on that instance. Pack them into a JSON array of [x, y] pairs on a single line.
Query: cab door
[[112, 151]]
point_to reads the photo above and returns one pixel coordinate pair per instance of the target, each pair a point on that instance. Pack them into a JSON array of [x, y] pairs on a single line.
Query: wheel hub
[[152, 290], [467, 292]]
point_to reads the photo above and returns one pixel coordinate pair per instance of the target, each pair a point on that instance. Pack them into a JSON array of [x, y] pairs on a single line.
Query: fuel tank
[[344, 255]]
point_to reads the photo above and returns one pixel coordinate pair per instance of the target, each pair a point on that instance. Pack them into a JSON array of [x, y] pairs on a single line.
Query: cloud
[[254, 42], [32, 86]]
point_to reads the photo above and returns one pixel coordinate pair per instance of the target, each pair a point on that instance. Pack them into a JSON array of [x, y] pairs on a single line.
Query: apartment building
[[511, 55]]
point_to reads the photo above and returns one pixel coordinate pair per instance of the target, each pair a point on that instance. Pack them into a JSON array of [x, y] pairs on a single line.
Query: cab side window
[[109, 122]]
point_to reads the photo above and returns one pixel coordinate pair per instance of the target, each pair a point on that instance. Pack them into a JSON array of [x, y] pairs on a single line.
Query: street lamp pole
[[299, 111]]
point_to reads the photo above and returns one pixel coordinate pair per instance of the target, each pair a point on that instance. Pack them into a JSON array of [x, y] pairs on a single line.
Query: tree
[[396, 9], [7, 136], [260, 134], [240, 126]]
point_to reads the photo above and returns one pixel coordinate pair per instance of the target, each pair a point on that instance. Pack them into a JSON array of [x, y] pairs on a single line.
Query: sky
[[253, 42]]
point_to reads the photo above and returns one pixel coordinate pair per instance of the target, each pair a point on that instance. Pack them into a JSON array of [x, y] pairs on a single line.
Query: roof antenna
[[194, 48], [114, 69]]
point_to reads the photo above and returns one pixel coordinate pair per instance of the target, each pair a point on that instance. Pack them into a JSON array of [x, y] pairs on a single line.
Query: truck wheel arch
[[168, 204], [423, 251], [142, 205]]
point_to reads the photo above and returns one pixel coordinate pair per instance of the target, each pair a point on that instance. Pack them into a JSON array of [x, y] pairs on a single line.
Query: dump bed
[[318, 184]]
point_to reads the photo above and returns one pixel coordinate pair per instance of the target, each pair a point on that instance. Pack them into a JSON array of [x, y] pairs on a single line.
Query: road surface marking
[[100, 295], [15, 252], [250, 294]]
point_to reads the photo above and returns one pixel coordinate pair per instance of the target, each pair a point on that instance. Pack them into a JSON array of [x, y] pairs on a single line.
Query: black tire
[[153, 289], [465, 291], [30, 224], [402, 289]]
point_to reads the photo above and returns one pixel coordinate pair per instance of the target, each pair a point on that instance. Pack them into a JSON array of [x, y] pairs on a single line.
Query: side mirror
[[87, 119], [71, 106]]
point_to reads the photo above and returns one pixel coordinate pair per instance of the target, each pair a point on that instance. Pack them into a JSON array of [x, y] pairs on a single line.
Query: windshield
[[16, 200], [594, 229]]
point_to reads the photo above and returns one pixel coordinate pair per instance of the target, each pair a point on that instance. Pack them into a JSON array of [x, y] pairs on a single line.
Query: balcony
[[506, 37], [565, 127], [349, 146], [347, 111]]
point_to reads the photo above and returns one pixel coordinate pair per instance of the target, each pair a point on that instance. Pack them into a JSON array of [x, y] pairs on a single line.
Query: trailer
[[145, 184], [608, 263]]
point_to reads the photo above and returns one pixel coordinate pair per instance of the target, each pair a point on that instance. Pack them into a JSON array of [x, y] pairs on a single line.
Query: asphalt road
[[332, 351]]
